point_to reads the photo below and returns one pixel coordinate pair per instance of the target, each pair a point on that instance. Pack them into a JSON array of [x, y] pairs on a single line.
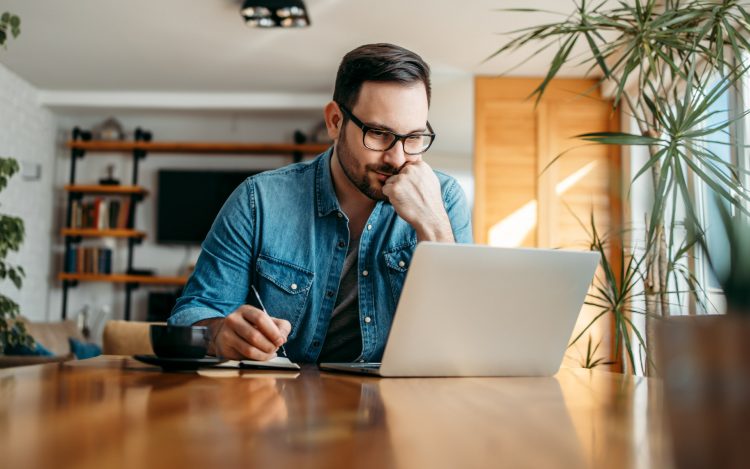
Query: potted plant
[[667, 63], [706, 364], [614, 293], [10, 25], [13, 334]]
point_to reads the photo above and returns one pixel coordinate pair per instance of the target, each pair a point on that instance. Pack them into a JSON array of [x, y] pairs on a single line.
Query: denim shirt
[[284, 232]]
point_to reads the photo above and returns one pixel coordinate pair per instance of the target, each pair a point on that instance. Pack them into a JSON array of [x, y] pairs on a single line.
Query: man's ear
[[334, 119]]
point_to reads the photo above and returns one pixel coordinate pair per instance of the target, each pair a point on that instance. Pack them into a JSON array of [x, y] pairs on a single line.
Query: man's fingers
[[264, 324], [247, 331], [224, 348], [244, 349], [285, 327]]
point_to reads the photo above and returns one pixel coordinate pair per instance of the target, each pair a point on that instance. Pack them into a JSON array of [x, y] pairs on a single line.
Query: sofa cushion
[[37, 349], [54, 335], [84, 350]]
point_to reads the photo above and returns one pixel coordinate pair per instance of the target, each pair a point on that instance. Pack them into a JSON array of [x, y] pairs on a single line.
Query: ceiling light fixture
[[275, 13]]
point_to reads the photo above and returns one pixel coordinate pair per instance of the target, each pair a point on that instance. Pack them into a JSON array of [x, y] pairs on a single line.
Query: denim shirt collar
[[324, 191]]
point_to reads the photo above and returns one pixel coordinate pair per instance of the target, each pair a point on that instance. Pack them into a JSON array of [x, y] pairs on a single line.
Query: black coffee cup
[[179, 341]]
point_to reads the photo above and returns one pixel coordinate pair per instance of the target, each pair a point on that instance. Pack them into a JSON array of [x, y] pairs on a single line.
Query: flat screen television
[[189, 200]]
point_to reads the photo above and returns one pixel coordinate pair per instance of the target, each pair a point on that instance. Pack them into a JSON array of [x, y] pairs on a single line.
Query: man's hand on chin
[[415, 195]]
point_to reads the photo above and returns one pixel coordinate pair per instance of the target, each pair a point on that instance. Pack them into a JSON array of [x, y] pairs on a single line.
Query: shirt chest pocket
[[397, 261], [284, 288]]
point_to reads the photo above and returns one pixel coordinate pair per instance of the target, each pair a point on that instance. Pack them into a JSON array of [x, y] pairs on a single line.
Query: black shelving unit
[[142, 144], [76, 154]]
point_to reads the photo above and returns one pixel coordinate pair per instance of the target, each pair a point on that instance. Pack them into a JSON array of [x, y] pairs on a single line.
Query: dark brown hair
[[378, 62]]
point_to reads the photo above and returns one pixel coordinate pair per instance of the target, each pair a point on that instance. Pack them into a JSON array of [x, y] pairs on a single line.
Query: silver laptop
[[472, 310]]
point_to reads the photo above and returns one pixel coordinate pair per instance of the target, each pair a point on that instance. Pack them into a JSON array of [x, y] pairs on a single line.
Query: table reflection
[[114, 412]]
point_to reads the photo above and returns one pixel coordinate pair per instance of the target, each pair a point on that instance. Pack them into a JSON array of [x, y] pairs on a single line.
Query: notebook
[[278, 363]]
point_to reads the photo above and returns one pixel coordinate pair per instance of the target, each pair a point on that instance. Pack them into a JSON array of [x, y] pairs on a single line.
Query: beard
[[362, 177]]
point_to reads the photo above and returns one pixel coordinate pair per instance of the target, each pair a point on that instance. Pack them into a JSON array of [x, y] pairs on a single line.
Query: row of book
[[89, 260], [101, 214]]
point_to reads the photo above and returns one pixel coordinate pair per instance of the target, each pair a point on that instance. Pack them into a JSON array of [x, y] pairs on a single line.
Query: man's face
[[390, 106]]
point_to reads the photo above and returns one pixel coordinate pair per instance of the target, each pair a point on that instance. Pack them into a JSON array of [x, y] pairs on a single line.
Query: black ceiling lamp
[[275, 13]]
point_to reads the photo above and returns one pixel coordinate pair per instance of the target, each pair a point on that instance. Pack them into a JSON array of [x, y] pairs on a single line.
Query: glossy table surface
[[112, 412]]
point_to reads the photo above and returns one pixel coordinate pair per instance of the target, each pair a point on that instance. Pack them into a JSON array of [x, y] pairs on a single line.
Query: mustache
[[386, 169]]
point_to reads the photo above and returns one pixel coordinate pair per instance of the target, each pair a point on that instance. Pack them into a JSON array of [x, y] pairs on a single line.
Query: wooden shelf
[[99, 189], [200, 147], [94, 233], [124, 278]]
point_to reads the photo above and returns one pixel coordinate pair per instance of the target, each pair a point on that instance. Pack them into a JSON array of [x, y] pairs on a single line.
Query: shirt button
[[368, 319], [294, 286], [365, 273], [329, 293], [369, 227], [315, 343], [340, 215], [401, 263], [342, 244]]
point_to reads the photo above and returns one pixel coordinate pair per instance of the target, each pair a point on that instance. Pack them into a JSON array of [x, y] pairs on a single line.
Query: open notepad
[[278, 363]]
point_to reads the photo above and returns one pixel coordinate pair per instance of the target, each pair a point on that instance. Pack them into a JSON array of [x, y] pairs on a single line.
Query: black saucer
[[169, 364]]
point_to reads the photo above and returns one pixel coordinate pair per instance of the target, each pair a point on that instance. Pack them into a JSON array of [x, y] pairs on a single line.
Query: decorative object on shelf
[[109, 129], [110, 179], [275, 13], [9, 23]]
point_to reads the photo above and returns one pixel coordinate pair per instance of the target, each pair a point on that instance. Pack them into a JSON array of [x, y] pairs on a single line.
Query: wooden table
[[113, 412]]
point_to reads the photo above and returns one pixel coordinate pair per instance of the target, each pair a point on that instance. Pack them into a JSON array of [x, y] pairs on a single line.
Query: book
[[123, 218], [70, 260], [79, 260], [75, 214], [102, 222], [94, 220], [114, 212]]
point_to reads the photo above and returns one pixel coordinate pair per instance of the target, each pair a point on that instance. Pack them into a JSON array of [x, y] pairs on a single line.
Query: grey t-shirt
[[343, 342]]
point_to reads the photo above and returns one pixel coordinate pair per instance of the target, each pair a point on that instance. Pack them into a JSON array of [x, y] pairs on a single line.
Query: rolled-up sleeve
[[221, 279], [459, 213]]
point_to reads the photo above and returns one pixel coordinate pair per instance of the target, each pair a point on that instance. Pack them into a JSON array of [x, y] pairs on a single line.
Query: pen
[[263, 308]]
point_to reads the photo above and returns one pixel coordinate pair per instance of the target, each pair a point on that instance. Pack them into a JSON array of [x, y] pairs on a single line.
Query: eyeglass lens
[[379, 140]]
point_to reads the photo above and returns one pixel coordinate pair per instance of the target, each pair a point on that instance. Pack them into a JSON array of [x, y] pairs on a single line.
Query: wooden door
[[520, 204]]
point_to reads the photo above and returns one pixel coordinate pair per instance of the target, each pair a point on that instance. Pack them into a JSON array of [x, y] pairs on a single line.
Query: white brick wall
[[27, 133]]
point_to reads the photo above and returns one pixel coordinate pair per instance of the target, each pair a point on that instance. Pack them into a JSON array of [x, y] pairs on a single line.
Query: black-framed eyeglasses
[[383, 140]]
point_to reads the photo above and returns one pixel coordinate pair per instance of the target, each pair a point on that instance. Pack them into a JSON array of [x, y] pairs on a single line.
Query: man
[[327, 243]]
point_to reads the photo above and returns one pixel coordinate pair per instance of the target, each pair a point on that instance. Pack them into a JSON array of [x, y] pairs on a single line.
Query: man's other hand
[[415, 195]]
